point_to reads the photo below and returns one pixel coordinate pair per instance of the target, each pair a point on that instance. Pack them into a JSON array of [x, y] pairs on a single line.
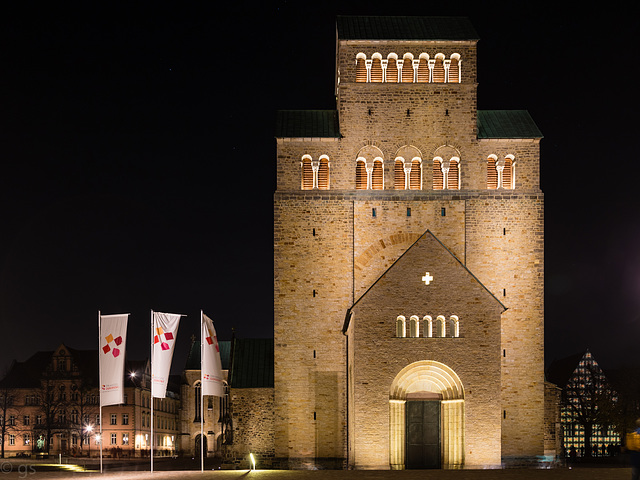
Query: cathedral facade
[[408, 261]]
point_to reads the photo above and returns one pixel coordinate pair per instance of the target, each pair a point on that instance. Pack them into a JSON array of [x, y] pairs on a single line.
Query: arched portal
[[197, 446], [428, 381]]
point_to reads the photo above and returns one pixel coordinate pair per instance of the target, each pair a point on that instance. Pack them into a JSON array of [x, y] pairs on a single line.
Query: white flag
[[165, 332], [113, 339], [211, 367]]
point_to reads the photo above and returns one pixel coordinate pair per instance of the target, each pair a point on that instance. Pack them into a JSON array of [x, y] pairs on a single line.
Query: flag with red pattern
[[211, 366], [165, 333], [113, 338]]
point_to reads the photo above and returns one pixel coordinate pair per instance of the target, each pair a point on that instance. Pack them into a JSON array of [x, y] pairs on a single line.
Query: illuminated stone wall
[[329, 248]]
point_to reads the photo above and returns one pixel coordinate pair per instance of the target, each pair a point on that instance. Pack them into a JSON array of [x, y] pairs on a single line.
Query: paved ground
[[35, 470]]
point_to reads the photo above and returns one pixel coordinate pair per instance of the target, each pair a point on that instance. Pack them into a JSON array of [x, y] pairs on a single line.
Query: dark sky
[[138, 161]]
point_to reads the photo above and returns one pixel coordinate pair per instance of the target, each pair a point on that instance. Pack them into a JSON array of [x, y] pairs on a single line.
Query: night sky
[[138, 162]]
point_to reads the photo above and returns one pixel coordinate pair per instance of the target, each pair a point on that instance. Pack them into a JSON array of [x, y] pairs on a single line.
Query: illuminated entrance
[[426, 417]]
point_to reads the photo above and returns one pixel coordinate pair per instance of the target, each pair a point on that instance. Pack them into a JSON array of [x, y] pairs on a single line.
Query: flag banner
[[211, 366], [113, 339], [165, 332]]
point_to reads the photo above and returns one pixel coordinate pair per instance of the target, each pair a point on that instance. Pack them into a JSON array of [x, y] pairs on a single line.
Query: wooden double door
[[422, 434]]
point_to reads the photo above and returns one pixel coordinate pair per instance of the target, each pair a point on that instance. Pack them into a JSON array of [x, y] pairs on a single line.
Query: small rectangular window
[[443, 212], [408, 211], [373, 212]]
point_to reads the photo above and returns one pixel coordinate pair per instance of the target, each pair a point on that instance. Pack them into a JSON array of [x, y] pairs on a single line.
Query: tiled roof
[[307, 124], [252, 365], [506, 124], [405, 28]]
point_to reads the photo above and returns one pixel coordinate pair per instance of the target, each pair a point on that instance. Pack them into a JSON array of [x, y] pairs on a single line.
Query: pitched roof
[[506, 124], [426, 235], [252, 364], [560, 371], [307, 124], [405, 28]]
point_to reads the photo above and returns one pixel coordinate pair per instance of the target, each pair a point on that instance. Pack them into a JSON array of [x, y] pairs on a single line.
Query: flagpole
[[151, 364], [201, 398], [99, 386]]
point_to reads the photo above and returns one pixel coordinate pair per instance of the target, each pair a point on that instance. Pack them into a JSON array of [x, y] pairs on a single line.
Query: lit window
[[492, 173], [401, 329], [392, 68], [453, 175], [323, 173], [361, 68], [307, 173], [454, 69], [508, 174], [376, 68], [377, 177], [399, 182], [407, 68], [125, 439], [423, 69], [361, 175], [438, 177], [438, 69], [415, 177]]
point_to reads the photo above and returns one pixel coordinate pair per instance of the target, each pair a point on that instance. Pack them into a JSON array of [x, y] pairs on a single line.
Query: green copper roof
[[506, 124], [405, 28], [252, 364], [307, 124]]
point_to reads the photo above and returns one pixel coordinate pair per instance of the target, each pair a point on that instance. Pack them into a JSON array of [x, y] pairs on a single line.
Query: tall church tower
[[408, 255]]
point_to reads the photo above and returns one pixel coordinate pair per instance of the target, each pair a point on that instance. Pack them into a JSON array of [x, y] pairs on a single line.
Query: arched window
[[454, 326], [323, 173], [197, 401], [454, 69], [423, 69], [392, 68], [401, 330], [361, 175], [440, 327], [438, 69], [376, 68], [414, 327], [438, 178], [377, 177], [453, 175], [427, 330], [361, 68], [507, 173], [407, 68], [492, 173], [415, 177], [307, 173], [398, 174]]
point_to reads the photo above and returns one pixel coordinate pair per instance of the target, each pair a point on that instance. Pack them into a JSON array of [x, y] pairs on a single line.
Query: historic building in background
[[54, 395], [589, 408], [408, 256]]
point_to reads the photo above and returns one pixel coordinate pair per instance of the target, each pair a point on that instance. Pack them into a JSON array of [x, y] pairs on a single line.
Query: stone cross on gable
[[427, 278]]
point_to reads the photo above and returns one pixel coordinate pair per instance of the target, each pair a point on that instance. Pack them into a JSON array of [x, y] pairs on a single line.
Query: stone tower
[[407, 175]]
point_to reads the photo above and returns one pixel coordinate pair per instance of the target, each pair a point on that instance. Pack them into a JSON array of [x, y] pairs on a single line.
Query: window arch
[[401, 330], [508, 174], [414, 326], [438, 69], [492, 173], [427, 330], [423, 68], [454, 326], [441, 327], [377, 176], [361, 174], [438, 177], [454, 69], [392, 68], [407, 68], [307, 173], [197, 400], [376, 68], [453, 175], [361, 68], [399, 182], [415, 177], [323, 173]]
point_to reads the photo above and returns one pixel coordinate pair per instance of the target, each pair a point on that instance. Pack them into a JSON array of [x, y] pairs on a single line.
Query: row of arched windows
[[408, 69], [407, 173], [440, 327]]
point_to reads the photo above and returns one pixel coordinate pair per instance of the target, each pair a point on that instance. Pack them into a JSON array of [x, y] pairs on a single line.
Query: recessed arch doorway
[[426, 417]]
